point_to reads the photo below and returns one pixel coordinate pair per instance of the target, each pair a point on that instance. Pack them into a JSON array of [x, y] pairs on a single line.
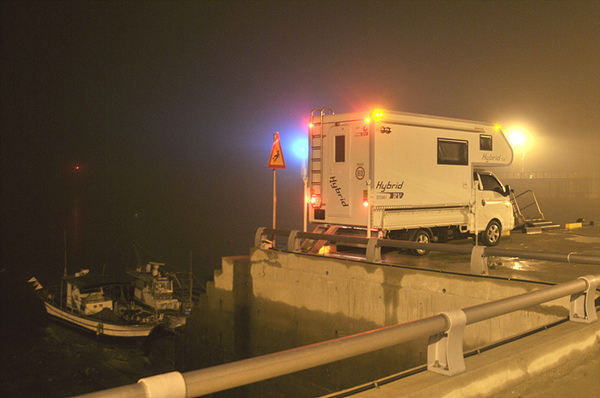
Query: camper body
[[408, 176]]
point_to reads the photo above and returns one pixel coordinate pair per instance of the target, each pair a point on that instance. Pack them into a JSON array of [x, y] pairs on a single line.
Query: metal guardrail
[[444, 353], [479, 254]]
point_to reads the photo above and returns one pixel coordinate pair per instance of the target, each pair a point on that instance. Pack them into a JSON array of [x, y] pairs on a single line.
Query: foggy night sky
[[169, 108]]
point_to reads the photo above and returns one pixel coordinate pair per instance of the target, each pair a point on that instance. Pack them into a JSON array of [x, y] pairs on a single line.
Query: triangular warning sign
[[276, 159]]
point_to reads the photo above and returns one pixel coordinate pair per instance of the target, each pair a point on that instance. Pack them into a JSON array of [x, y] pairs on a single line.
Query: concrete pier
[[274, 300]]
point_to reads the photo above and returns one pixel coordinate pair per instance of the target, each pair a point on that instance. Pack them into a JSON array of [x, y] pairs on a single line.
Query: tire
[[491, 235], [421, 236]]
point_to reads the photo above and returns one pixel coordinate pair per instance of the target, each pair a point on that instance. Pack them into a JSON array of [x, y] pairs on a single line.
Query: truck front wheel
[[491, 235], [421, 236]]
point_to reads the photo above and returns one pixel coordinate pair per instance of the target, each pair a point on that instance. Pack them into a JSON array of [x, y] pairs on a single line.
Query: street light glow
[[517, 138], [521, 140]]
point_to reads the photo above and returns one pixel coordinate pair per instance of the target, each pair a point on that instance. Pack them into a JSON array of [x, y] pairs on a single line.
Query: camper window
[[485, 142], [340, 148], [453, 152]]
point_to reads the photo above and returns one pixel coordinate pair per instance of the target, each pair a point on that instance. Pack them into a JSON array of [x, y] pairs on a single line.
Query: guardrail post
[[582, 304], [373, 251], [167, 385], [445, 350], [294, 243], [479, 261], [259, 241]]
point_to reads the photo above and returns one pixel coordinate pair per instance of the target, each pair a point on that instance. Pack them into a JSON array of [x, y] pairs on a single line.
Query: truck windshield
[[490, 183]]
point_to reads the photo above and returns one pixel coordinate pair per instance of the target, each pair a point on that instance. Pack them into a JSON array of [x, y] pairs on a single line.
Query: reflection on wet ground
[[585, 240], [515, 263]]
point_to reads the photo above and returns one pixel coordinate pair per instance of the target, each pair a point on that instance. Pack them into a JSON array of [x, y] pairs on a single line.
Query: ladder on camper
[[316, 152], [530, 216]]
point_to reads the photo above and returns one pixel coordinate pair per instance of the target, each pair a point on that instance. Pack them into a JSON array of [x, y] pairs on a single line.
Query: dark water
[[41, 358], [54, 360], [100, 210]]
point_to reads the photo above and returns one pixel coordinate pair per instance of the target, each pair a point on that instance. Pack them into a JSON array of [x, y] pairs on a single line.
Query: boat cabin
[[153, 288], [85, 293]]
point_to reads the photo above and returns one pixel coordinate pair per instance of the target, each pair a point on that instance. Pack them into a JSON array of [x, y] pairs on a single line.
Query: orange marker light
[[315, 201]]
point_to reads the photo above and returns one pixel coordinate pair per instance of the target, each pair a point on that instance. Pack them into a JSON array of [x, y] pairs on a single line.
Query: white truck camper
[[408, 176]]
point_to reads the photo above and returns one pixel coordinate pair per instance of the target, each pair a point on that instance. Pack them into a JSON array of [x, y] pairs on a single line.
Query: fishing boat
[[99, 304], [153, 290]]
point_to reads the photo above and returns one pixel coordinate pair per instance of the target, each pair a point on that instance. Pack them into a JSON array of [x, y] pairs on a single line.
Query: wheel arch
[[413, 231]]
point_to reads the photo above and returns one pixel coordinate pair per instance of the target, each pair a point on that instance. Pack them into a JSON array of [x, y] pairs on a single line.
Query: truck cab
[[493, 207]]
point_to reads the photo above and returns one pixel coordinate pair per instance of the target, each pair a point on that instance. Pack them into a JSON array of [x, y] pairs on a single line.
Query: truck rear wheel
[[491, 235], [421, 236]]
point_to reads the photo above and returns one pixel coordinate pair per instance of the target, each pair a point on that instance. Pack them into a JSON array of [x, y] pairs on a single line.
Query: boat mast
[[62, 282], [65, 247], [191, 279]]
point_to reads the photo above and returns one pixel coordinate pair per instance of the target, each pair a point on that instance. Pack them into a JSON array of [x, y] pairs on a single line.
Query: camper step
[[541, 223], [550, 226], [538, 228], [532, 230]]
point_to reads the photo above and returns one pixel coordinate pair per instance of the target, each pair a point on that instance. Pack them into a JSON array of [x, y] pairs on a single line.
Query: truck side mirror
[[507, 190]]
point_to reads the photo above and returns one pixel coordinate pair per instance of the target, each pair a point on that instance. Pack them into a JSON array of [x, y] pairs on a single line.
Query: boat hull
[[100, 326]]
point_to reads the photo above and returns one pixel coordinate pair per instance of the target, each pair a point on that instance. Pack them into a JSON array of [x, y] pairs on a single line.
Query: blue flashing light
[[300, 148]]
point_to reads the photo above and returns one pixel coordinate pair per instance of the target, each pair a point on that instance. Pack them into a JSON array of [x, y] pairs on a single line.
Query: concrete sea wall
[[273, 300]]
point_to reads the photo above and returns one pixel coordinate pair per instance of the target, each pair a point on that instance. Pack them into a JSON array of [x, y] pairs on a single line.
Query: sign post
[[276, 161]]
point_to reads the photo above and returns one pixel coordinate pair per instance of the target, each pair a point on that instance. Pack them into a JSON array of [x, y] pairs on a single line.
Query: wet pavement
[[584, 240]]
